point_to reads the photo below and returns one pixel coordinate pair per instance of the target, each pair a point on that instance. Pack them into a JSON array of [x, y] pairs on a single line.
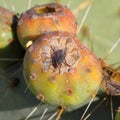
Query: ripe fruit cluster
[[58, 68]]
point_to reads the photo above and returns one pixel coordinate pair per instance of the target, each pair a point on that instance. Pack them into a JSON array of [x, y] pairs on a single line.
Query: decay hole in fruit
[[58, 57], [46, 9]]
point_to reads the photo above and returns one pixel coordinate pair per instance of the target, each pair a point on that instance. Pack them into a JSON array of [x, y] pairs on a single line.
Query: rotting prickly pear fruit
[[44, 18], [61, 71]]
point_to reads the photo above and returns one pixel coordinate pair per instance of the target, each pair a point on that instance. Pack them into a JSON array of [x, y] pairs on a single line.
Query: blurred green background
[[100, 30]]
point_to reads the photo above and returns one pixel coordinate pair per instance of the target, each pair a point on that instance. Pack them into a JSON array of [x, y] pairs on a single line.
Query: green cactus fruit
[[61, 71], [6, 36], [9, 45], [44, 18]]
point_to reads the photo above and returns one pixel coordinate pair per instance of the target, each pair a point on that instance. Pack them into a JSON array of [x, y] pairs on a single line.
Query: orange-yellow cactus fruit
[[61, 71], [44, 18]]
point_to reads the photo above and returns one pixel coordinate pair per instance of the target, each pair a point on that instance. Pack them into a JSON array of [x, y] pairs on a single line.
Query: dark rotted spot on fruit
[[58, 57], [32, 76], [41, 97], [71, 70], [48, 8], [69, 91], [52, 10], [44, 10]]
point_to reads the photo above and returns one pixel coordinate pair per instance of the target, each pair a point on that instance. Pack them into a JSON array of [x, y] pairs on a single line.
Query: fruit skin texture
[[63, 82], [45, 18]]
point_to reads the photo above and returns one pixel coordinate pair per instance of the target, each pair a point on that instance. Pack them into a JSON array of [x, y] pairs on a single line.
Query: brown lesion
[[58, 58], [47, 9], [44, 9], [69, 91], [59, 55]]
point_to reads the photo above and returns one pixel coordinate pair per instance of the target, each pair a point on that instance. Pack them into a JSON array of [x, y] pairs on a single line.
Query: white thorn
[[27, 87], [94, 109], [29, 4], [44, 113], [50, 118], [114, 46], [13, 8], [31, 113], [84, 18]]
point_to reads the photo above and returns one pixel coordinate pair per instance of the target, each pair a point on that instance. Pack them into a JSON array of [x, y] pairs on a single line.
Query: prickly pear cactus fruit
[[6, 36], [61, 71], [9, 46], [44, 18]]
